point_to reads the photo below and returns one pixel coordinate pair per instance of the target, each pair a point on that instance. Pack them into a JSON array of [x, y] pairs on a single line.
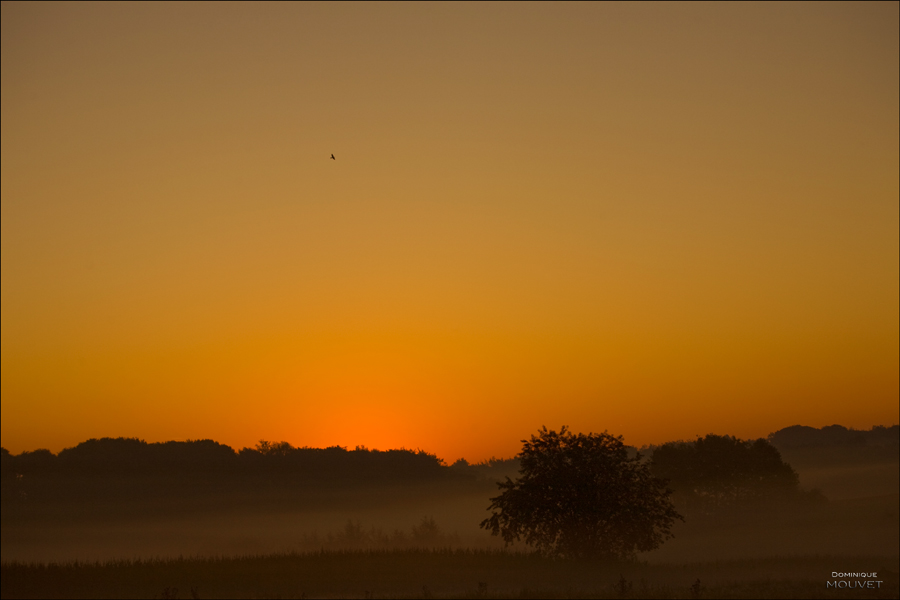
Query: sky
[[657, 220]]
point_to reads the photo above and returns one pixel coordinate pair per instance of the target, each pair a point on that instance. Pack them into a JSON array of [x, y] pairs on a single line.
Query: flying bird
[[332, 157]]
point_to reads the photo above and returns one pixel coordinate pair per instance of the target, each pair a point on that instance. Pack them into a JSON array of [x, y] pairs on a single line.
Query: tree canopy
[[582, 496], [719, 471]]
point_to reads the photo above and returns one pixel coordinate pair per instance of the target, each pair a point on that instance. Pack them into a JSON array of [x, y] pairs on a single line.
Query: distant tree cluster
[[800, 436], [718, 472], [836, 445], [117, 455], [336, 462], [119, 467], [113, 455]]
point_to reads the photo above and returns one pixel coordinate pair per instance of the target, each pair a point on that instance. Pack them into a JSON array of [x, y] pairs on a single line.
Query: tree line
[[120, 471], [707, 475], [116, 456]]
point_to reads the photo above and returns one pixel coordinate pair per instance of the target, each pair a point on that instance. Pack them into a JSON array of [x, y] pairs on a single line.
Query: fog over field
[[58, 509]]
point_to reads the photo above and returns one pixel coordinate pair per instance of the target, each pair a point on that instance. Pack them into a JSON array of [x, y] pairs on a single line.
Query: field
[[441, 573], [767, 556]]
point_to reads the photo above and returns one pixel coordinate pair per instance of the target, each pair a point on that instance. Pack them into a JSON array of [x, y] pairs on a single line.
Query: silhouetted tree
[[718, 472], [582, 496]]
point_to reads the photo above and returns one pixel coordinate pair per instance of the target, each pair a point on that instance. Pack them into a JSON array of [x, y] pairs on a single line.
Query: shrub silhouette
[[582, 496]]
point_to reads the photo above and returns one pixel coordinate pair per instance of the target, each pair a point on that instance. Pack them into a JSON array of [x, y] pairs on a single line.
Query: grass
[[440, 573]]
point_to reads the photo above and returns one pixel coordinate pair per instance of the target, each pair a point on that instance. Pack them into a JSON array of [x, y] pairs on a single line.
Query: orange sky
[[658, 220]]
